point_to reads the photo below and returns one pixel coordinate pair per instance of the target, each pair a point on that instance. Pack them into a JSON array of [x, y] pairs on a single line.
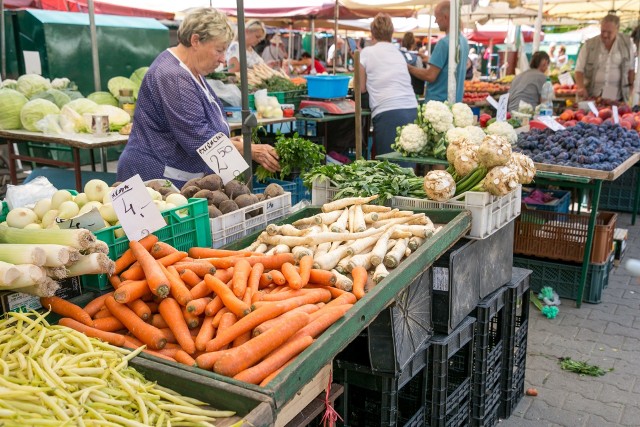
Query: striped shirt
[[174, 116]]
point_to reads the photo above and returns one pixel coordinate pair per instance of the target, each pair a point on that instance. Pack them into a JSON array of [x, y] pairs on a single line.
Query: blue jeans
[[385, 124]]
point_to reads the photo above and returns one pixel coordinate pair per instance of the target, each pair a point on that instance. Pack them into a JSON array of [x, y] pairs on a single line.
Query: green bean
[[123, 421], [25, 407], [196, 411], [112, 409]]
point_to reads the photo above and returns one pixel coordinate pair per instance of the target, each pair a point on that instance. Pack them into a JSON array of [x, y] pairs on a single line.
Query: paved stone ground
[[605, 334]]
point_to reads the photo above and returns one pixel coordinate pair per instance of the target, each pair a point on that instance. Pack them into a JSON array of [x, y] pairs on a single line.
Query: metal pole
[[3, 46], [454, 35], [248, 119], [94, 48], [429, 33], [313, 46], [336, 15], [291, 38], [538, 27], [357, 96]]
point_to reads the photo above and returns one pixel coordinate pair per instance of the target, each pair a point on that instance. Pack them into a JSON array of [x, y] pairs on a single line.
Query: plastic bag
[[49, 124], [228, 93], [71, 121], [26, 195], [267, 106]]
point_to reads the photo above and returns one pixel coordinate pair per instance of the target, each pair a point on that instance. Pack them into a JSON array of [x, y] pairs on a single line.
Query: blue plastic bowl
[[327, 86]]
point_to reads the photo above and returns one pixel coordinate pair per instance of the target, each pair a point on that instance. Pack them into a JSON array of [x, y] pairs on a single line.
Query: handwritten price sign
[[91, 221], [222, 157], [137, 213]]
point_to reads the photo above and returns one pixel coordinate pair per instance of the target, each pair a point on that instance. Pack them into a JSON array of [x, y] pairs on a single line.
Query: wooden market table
[[76, 142], [562, 176]]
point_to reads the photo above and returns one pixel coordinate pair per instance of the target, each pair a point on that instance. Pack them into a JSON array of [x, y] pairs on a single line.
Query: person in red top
[[303, 65]]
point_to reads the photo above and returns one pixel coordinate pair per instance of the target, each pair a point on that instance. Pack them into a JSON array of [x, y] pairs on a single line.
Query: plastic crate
[[515, 339], [449, 379], [234, 225], [488, 213], [326, 87], [294, 97], [487, 359], [180, 232], [563, 236], [564, 278], [4, 211], [302, 192], [619, 195], [322, 192], [561, 202]]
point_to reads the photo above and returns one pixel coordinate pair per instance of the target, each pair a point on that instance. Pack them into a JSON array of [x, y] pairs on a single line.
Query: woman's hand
[[265, 155]]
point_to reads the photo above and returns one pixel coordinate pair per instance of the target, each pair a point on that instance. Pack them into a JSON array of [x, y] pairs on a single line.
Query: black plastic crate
[[487, 359], [392, 340], [381, 399], [449, 378], [516, 334]]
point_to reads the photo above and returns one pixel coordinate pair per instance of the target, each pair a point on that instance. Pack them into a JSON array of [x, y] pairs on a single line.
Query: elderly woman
[[254, 33], [177, 111]]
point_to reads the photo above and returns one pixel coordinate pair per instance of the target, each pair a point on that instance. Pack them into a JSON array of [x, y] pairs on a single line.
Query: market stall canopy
[[627, 10], [101, 7], [17, 4], [577, 36], [497, 33]]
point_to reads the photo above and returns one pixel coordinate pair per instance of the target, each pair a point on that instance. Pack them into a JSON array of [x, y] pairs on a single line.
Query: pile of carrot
[[241, 314]]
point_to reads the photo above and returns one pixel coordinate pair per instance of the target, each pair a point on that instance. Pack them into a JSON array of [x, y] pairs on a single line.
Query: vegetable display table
[[562, 176], [263, 122], [334, 118], [75, 141]]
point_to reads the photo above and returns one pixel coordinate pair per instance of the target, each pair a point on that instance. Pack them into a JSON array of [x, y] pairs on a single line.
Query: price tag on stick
[[550, 123], [566, 79], [503, 102], [91, 221], [616, 115], [492, 101], [137, 213], [593, 108], [222, 157]]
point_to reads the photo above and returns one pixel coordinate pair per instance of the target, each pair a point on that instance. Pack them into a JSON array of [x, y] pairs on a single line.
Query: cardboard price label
[[492, 102], [222, 157], [550, 123], [592, 107], [503, 102], [137, 213], [616, 115], [91, 221], [566, 79]]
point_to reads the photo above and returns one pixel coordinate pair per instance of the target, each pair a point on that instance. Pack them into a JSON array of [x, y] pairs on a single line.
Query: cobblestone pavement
[[605, 334]]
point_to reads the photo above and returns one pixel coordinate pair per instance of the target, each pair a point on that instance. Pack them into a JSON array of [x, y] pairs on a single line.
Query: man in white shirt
[[331, 55], [605, 63]]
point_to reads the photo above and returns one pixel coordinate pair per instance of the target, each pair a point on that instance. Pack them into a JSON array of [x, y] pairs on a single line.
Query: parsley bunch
[[296, 155]]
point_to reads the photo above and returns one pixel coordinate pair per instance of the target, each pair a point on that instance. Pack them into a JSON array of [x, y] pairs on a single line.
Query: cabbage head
[[35, 110], [83, 105], [60, 83], [73, 94], [103, 98], [116, 83], [12, 102], [56, 96], [30, 84], [9, 84], [138, 75], [72, 122], [117, 116]]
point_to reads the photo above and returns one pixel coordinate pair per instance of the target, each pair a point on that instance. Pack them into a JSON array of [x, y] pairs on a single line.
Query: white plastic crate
[[234, 225], [322, 192], [488, 213]]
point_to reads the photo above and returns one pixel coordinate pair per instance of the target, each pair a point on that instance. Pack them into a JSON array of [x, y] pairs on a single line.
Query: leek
[[80, 239], [57, 273], [22, 254], [96, 263], [46, 288], [8, 273]]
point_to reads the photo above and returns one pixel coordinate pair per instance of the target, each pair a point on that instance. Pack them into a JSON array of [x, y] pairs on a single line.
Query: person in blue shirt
[[437, 73], [177, 111]]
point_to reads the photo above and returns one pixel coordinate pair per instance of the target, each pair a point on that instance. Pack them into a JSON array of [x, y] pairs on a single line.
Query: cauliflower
[[462, 115], [503, 129], [438, 115], [410, 139], [456, 134], [475, 135]]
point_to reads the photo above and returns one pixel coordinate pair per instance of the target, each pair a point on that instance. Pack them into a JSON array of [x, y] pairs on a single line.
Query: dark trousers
[[385, 124]]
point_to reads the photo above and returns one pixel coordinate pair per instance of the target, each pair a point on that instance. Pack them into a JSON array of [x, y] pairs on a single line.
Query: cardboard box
[[18, 301]]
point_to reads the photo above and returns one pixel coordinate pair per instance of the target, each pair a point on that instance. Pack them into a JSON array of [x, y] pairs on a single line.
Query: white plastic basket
[[322, 192], [488, 213], [237, 224]]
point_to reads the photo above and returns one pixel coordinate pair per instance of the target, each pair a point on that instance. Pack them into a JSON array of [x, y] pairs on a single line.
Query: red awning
[[486, 37], [324, 11], [100, 8], [17, 4]]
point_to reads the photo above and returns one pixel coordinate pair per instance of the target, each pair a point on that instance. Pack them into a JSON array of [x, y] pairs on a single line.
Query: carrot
[[322, 277], [134, 272], [104, 312], [225, 274], [207, 360], [131, 290], [110, 337], [140, 308], [213, 307], [307, 308], [347, 298], [200, 268], [127, 258], [161, 249], [189, 277], [159, 355], [156, 279], [305, 264], [108, 324], [114, 279], [132, 342], [172, 258], [251, 352], [269, 261], [179, 290], [254, 278], [278, 277], [192, 320], [235, 305], [217, 253], [153, 306], [335, 292], [360, 276], [282, 295], [274, 361], [275, 373], [200, 290], [206, 334], [197, 306], [183, 357], [226, 321], [291, 275], [172, 314], [169, 336], [322, 323], [96, 304], [146, 333], [241, 273], [158, 321], [312, 297], [265, 279], [216, 319], [66, 309], [241, 339]]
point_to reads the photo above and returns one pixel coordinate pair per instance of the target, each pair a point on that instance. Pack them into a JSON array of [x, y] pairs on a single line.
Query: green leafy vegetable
[[12, 102], [582, 368], [277, 84], [35, 110], [54, 95], [297, 155]]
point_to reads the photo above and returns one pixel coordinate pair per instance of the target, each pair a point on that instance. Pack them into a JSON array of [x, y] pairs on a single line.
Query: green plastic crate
[[564, 278], [618, 195], [181, 232], [4, 212], [289, 97]]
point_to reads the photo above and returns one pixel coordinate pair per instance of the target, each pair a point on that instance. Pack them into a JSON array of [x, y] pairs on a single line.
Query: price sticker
[[566, 79], [503, 102], [222, 157], [137, 213], [616, 115], [550, 123], [492, 101], [91, 221], [592, 107]]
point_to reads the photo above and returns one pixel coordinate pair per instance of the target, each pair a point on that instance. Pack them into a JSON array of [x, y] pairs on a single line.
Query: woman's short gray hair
[[208, 23]]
